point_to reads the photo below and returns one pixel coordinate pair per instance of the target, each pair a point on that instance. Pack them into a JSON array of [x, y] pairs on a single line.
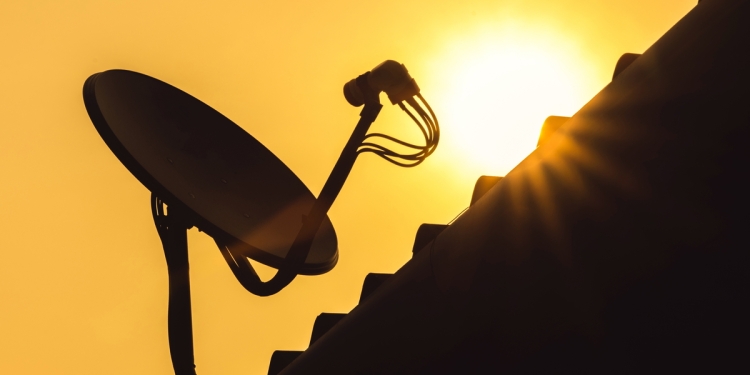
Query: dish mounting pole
[[172, 226], [303, 242]]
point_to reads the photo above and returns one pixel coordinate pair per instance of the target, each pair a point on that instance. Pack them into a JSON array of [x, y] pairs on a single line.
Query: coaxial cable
[[428, 127]]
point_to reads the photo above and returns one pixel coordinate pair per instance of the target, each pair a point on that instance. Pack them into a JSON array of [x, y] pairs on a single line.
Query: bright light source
[[498, 87]]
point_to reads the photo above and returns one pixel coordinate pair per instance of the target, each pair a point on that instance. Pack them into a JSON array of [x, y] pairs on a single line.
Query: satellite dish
[[214, 175], [188, 154]]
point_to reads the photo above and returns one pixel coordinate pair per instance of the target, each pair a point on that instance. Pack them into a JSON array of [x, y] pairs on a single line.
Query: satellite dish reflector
[[188, 154], [213, 175]]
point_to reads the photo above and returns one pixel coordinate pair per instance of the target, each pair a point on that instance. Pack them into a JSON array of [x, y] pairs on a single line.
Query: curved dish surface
[[185, 151]]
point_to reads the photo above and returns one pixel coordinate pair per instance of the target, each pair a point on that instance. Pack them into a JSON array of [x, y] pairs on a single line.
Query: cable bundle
[[430, 130]]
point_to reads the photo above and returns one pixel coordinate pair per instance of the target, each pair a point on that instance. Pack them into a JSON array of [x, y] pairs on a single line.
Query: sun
[[496, 87]]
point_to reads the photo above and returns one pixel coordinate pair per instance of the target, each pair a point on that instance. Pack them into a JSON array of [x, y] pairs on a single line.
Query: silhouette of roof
[[618, 246]]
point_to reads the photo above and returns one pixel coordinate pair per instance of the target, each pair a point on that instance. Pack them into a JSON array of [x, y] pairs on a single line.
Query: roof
[[619, 245]]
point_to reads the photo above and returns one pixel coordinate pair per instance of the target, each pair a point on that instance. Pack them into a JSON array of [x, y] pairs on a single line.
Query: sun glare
[[502, 85]]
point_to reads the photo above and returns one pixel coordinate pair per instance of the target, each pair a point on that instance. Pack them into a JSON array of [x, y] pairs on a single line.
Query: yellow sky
[[83, 281]]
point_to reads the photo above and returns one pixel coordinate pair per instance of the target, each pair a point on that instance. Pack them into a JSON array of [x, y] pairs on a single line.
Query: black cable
[[430, 131]]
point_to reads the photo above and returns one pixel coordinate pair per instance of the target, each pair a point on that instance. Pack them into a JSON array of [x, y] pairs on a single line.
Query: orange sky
[[83, 281]]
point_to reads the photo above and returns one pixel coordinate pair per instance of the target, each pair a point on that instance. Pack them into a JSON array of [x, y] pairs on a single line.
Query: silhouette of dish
[[185, 151]]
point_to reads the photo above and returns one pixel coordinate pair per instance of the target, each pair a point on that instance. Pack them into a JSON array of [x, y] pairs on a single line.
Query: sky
[[83, 280]]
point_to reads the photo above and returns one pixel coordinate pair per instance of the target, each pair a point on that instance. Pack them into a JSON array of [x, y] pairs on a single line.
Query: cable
[[430, 131]]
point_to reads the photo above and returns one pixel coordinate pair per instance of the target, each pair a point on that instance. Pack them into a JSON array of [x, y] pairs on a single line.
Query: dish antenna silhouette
[[211, 174]]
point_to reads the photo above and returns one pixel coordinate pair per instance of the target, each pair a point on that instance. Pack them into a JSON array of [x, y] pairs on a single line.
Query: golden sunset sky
[[83, 280]]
